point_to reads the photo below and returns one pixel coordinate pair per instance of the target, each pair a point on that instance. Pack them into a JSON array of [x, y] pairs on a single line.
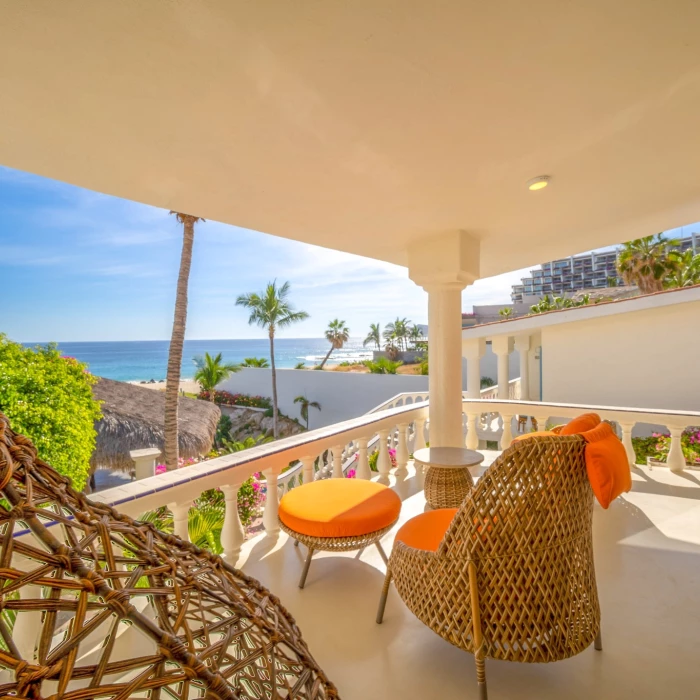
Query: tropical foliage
[[48, 398], [300, 365], [255, 362], [648, 262], [658, 445], [304, 407], [374, 337], [687, 272], [177, 340], [382, 366], [486, 382], [555, 303], [506, 313], [398, 333], [272, 310], [228, 399], [337, 334], [211, 371]]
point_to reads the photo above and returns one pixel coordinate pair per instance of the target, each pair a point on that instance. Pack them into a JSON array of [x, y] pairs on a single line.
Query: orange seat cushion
[[426, 530], [528, 436], [607, 464], [584, 422], [339, 508]]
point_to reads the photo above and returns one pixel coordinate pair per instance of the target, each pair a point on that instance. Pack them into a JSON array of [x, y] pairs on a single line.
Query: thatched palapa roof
[[132, 419]]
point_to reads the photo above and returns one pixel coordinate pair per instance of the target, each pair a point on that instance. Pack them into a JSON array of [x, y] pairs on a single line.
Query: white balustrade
[[337, 462], [270, 514], [232, 533], [419, 434], [402, 449], [363, 470], [675, 459], [383, 461], [507, 436], [308, 468], [181, 513]]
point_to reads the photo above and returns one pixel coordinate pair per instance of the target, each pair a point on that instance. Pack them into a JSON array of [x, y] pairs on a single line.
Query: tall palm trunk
[[275, 431], [325, 359], [172, 383]]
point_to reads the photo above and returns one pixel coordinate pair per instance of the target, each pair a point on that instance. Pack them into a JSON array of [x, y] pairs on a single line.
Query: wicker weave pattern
[[214, 631], [527, 532], [337, 544], [447, 488]]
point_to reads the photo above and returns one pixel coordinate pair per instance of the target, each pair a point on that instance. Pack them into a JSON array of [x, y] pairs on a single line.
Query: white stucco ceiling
[[364, 125]]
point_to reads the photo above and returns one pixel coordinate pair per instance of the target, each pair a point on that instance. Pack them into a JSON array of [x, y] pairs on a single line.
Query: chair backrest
[[528, 527]]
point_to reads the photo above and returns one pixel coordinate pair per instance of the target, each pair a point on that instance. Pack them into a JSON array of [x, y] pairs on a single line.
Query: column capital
[[473, 348], [522, 343], [444, 262], [502, 344]]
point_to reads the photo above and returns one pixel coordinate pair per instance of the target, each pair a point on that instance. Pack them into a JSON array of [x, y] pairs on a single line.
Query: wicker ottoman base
[[336, 544], [447, 488]]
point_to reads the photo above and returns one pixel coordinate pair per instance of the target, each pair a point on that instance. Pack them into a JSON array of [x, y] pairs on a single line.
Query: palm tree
[[506, 313], [271, 310], [337, 334], [305, 406], [688, 271], [415, 334], [382, 366], [397, 332], [647, 262], [177, 341], [255, 362], [211, 371], [374, 337]]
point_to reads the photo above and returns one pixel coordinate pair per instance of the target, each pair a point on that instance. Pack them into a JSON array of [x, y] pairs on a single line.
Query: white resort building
[[413, 134]]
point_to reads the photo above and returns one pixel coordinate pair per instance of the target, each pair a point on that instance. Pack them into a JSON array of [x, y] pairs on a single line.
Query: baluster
[[337, 462], [363, 471], [419, 433], [627, 442], [541, 422], [507, 436], [270, 517], [472, 435], [402, 449], [180, 513], [676, 459], [232, 533], [307, 469], [25, 633], [383, 462]]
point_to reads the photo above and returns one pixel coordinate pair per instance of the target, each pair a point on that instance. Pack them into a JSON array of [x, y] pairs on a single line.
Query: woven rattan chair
[[76, 575], [512, 576]]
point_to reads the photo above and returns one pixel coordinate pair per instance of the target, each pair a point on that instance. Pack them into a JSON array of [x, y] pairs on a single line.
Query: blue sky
[[78, 265]]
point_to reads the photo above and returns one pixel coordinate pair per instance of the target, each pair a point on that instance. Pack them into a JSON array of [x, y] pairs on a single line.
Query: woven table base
[[447, 488]]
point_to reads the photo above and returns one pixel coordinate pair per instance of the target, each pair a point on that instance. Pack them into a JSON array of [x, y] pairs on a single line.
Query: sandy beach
[[189, 386]]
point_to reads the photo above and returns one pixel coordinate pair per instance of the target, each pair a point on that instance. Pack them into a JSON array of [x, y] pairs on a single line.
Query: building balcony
[[646, 547]]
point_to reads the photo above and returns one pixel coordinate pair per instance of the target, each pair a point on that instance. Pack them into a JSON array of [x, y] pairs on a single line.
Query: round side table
[[447, 478]]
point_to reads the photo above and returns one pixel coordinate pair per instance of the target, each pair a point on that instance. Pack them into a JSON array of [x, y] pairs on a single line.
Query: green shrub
[[382, 366], [48, 398]]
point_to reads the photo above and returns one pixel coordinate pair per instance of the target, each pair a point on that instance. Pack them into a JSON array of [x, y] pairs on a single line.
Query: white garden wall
[[342, 395], [646, 359]]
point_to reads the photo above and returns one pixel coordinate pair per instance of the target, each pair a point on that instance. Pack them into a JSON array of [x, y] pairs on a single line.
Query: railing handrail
[[241, 465]]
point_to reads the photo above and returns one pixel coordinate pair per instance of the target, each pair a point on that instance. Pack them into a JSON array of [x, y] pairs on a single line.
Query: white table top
[[448, 457]]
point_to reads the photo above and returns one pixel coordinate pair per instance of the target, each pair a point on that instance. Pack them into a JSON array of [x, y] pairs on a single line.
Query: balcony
[[647, 553]]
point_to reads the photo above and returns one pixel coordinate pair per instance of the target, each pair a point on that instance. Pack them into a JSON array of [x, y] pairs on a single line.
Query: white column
[[473, 350], [307, 469], [445, 379], [144, 462], [383, 462], [419, 431], [270, 514], [232, 533], [541, 422], [402, 449], [507, 436], [363, 470], [627, 442], [502, 346], [522, 345], [180, 513], [675, 459], [338, 462]]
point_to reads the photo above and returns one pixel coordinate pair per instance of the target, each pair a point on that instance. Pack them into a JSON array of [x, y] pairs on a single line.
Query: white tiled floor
[[647, 549]]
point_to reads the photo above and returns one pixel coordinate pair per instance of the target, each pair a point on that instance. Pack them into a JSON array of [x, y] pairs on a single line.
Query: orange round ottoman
[[338, 515]]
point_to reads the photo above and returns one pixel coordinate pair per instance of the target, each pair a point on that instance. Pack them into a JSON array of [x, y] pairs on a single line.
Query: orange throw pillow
[[584, 422], [527, 436], [607, 464]]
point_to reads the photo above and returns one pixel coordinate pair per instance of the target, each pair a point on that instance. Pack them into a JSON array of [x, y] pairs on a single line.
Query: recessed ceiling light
[[538, 183]]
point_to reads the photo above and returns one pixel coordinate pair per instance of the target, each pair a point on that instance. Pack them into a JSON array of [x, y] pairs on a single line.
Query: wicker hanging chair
[[96, 605]]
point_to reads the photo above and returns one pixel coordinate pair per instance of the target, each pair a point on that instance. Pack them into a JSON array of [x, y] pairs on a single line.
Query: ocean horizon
[[143, 360]]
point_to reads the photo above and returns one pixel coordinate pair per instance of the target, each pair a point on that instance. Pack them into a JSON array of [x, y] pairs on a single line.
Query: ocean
[[142, 360]]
